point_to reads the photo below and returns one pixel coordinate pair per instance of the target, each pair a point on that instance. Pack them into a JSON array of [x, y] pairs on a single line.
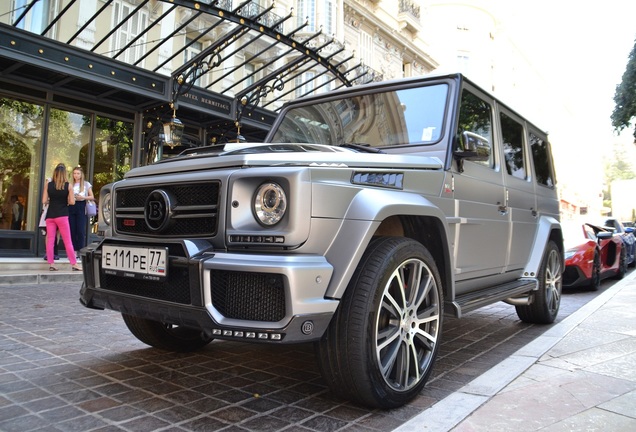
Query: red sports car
[[592, 253]]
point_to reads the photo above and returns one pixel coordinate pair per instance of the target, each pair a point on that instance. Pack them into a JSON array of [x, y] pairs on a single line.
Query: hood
[[241, 155]]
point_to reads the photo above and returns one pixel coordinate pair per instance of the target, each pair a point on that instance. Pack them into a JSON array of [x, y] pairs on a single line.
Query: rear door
[[519, 189]]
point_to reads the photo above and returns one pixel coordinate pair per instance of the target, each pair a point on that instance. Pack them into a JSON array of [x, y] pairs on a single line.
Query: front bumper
[[574, 276], [267, 298]]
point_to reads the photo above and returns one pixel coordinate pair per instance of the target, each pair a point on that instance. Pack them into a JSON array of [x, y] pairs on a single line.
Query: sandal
[[76, 267], [51, 268]]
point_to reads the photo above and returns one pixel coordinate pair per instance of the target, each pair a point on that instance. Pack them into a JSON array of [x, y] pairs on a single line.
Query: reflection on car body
[[627, 235]]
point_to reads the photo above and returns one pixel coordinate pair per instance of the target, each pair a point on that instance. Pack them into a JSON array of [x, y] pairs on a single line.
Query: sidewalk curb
[[41, 278], [453, 409]]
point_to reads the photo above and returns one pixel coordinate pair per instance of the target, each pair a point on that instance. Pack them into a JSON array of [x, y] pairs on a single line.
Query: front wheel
[[380, 348], [546, 300], [165, 336]]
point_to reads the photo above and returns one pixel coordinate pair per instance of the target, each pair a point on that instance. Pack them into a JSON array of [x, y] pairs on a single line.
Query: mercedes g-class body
[[365, 216]]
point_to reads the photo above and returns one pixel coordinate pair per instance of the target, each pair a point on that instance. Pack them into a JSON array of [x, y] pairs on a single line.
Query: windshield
[[399, 117]]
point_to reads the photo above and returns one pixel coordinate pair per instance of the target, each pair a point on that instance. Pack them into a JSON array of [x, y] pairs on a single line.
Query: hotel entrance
[[34, 138]]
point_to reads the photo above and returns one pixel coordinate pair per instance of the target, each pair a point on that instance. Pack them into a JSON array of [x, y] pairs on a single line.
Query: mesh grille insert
[[249, 296]]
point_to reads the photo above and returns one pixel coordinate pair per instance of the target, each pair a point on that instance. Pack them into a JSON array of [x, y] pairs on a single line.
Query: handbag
[[91, 208], [43, 216], [42, 225]]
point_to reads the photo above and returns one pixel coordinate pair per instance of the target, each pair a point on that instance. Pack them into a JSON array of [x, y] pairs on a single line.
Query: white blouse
[[76, 188]]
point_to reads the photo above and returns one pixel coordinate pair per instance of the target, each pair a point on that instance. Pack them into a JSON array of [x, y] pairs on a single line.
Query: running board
[[474, 300]]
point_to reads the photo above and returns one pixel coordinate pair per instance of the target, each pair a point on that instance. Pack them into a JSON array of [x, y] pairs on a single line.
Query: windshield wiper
[[361, 147]]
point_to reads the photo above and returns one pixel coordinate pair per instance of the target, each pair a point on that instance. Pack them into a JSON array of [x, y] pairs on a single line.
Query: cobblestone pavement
[[67, 368]]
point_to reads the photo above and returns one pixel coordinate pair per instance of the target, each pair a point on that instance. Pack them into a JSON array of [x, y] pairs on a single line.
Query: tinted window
[[475, 115], [542, 159], [512, 134]]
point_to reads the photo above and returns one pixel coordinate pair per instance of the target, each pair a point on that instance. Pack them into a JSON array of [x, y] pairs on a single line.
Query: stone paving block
[[68, 368]]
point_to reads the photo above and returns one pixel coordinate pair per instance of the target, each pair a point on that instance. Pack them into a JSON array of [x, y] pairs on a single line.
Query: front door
[[481, 246]]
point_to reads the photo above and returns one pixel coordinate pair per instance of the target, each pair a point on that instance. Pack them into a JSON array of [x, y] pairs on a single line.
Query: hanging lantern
[[173, 131]]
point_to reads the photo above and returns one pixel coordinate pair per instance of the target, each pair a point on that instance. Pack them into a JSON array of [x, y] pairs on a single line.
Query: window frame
[[549, 159]]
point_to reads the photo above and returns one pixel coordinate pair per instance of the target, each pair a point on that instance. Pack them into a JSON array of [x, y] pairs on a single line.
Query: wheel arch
[[549, 229], [388, 213], [431, 233]]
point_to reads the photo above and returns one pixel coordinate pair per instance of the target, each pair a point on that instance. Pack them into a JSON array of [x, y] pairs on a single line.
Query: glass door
[[104, 158], [21, 125], [112, 158], [68, 139]]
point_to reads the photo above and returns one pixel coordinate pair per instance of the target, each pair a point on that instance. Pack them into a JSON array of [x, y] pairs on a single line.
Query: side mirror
[[604, 235], [472, 147], [629, 229]]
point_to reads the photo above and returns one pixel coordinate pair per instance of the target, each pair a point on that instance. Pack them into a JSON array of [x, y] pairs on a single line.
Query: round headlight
[[105, 208], [270, 203]]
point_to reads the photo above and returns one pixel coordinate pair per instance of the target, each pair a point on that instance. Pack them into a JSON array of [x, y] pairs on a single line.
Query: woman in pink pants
[[59, 195]]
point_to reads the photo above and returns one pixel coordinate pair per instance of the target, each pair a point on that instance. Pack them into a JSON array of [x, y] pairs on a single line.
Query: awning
[[227, 58]]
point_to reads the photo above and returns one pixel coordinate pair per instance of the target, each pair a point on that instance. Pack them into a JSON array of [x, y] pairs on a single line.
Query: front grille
[[195, 209], [248, 296]]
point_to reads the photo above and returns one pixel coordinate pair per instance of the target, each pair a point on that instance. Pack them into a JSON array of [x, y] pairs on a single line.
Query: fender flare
[[546, 227], [364, 215]]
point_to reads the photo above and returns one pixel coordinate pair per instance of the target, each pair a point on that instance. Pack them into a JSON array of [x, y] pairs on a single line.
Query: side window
[[542, 159], [475, 115], [512, 134]]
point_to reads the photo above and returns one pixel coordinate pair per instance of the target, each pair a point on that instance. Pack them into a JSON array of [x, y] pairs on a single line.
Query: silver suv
[[366, 216]]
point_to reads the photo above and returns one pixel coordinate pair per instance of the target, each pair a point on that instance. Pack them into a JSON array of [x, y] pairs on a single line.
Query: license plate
[[140, 262]]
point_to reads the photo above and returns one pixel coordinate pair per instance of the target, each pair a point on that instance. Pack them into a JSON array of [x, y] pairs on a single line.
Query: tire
[[165, 336], [622, 267], [381, 345], [595, 280], [546, 301]]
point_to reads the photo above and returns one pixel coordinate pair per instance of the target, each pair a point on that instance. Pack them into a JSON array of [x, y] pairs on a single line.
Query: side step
[[474, 300]]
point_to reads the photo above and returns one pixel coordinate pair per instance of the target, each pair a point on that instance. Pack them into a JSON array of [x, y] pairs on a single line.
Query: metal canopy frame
[[241, 26]]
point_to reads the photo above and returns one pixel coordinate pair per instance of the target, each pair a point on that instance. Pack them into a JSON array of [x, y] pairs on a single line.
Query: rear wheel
[[546, 300], [622, 266], [381, 345], [595, 280], [164, 336]]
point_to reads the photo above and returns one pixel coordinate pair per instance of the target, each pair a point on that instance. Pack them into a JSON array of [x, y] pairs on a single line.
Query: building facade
[[95, 82]]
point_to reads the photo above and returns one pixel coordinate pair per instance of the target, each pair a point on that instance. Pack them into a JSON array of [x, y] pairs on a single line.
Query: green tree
[[625, 97], [618, 166]]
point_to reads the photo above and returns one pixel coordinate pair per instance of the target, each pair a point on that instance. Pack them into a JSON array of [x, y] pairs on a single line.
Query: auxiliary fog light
[[247, 334]]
